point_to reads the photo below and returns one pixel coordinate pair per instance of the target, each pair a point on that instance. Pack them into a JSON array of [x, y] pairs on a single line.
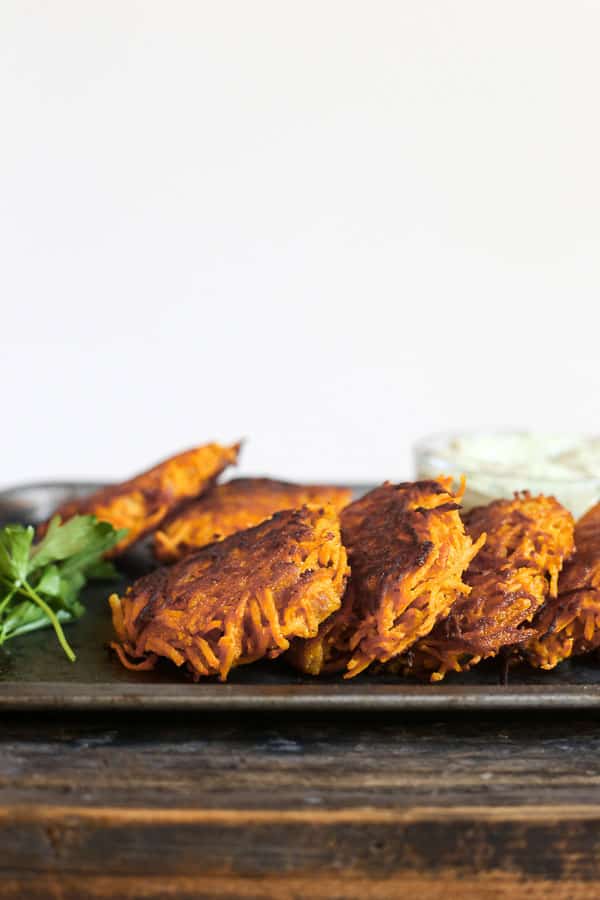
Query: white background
[[328, 226]]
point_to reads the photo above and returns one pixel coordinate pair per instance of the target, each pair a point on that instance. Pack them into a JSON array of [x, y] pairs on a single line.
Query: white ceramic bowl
[[498, 463]]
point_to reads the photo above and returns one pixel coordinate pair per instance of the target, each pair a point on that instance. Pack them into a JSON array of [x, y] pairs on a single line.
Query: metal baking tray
[[35, 674]]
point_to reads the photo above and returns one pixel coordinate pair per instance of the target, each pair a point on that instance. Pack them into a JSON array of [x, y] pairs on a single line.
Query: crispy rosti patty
[[407, 548], [141, 504], [238, 600], [569, 624], [235, 506], [528, 539]]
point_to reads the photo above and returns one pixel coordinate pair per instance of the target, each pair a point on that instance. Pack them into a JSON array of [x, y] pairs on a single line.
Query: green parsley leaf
[[103, 570], [50, 582], [80, 539], [15, 546], [40, 583]]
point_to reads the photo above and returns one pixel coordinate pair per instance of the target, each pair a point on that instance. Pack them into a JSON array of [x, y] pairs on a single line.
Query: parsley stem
[[27, 589], [14, 589], [6, 600]]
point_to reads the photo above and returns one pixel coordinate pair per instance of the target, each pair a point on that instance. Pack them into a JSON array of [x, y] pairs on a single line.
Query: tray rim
[[52, 696]]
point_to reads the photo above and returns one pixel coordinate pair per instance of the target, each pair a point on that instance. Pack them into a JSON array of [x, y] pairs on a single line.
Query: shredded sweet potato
[[408, 549], [528, 539], [569, 624], [235, 506], [238, 600], [141, 504]]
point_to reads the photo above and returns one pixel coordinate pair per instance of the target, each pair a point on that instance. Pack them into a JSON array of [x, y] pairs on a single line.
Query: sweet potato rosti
[[235, 506], [140, 504], [569, 624], [407, 548], [238, 600], [528, 539]]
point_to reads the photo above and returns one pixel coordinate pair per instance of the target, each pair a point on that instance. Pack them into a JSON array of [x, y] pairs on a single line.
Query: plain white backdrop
[[329, 227]]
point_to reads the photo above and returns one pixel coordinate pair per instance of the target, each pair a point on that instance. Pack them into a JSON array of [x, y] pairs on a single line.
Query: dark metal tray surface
[[35, 674]]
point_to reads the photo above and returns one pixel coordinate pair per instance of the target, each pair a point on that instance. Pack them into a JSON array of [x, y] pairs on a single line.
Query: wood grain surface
[[275, 806]]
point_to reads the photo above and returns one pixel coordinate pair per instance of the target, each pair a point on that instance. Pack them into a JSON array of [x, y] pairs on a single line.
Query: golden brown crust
[[407, 549], [237, 600], [528, 539], [239, 504], [141, 503], [569, 624]]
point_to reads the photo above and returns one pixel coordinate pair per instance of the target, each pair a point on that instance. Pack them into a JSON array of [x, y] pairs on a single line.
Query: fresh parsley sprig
[[40, 583]]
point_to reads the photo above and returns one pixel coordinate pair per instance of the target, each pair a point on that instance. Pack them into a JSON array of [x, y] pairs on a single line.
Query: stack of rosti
[[408, 550], [401, 580], [510, 579]]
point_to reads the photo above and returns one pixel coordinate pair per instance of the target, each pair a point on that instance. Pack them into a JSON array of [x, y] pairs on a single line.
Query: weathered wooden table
[[270, 807]]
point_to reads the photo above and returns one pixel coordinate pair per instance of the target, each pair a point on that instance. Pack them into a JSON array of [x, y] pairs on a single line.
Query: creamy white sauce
[[498, 463]]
